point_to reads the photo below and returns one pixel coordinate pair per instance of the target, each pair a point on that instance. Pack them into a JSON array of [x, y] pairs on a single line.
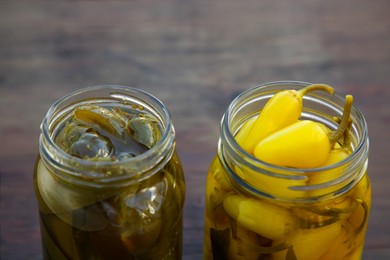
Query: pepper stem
[[313, 87], [335, 135], [347, 135]]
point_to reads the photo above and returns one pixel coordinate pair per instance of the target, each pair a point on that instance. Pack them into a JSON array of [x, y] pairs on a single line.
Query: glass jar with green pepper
[[290, 181], [108, 180]]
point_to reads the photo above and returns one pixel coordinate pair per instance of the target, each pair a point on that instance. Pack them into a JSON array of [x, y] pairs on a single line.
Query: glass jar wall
[[256, 210], [108, 180]]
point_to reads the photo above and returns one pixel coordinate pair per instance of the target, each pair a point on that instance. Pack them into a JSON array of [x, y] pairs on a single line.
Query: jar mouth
[[106, 94], [241, 109]]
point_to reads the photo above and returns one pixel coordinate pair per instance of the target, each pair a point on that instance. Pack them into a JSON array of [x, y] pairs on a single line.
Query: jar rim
[[225, 128], [119, 93], [229, 144]]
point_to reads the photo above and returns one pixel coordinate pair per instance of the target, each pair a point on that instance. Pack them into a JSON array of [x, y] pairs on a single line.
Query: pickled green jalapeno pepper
[[108, 180], [302, 192], [95, 132]]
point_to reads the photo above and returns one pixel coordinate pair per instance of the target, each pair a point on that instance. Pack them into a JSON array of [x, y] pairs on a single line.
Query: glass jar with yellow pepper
[[289, 179]]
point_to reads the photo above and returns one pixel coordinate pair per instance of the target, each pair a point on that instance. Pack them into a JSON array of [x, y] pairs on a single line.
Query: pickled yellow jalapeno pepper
[[297, 196], [304, 144], [276, 222], [283, 109]]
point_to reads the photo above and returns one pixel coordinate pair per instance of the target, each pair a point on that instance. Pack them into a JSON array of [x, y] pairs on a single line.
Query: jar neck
[[106, 173], [318, 106]]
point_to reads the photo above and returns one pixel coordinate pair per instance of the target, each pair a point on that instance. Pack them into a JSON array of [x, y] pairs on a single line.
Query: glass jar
[[256, 210], [122, 206]]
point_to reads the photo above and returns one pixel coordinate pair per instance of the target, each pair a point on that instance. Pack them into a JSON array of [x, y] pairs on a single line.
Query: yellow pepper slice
[[279, 187], [268, 220], [245, 244], [310, 243], [300, 145], [362, 190], [335, 156], [244, 131], [283, 109], [349, 243], [340, 247], [304, 144]]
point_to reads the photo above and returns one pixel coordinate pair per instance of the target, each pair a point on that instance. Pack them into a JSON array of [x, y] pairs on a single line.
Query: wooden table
[[196, 56]]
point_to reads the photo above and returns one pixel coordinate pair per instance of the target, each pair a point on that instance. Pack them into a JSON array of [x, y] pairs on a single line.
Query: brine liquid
[[63, 241], [326, 230], [137, 222]]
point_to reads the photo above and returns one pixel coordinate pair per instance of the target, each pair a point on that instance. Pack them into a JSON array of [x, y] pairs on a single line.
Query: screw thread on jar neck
[[290, 184]]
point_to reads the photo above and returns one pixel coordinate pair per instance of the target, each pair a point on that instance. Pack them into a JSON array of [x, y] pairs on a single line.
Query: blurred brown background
[[196, 56]]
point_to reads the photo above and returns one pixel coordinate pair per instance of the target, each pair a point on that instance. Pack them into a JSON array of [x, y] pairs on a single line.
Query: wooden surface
[[196, 56]]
